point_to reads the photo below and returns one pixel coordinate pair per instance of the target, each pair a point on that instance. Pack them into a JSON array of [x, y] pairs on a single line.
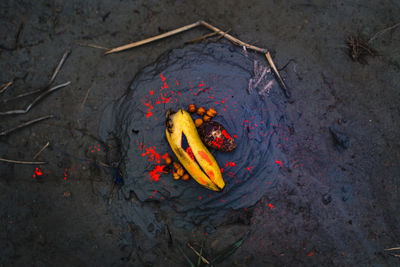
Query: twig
[[222, 36], [201, 38], [218, 31], [5, 86], [86, 97], [389, 249], [376, 35], [41, 150], [95, 46], [151, 39], [208, 35], [23, 111], [198, 254], [22, 95], [23, 162], [64, 57], [280, 80], [6, 132]]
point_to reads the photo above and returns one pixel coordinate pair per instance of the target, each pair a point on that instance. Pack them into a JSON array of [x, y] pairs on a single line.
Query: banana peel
[[196, 159]]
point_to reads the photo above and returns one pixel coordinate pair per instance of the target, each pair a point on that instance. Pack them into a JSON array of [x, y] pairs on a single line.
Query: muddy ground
[[334, 206]]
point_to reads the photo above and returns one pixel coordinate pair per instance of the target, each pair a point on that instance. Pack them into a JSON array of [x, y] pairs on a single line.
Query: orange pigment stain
[[312, 253], [204, 156], [211, 175], [201, 180]]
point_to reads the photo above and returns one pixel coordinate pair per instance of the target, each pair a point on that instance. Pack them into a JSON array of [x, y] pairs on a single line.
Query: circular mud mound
[[249, 105]]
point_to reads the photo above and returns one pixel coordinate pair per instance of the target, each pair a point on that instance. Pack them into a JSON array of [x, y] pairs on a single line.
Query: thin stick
[[86, 97], [23, 162], [95, 46], [382, 32], [388, 249], [198, 254], [151, 39], [201, 38], [222, 36], [5, 86], [41, 150], [22, 95], [233, 39], [6, 132], [280, 80], [45, 93], [64, 57], [218, 31]]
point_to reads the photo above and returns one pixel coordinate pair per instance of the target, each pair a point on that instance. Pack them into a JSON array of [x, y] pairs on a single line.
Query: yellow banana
[[196, 159]]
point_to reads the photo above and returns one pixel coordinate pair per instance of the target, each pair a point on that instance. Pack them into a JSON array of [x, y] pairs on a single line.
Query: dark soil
[[337, 199]]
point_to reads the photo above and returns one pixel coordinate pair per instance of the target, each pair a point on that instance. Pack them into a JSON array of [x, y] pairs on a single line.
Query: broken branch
[[154, 38], [41, 150], [218, 31], [45, 93], [23, 162], [6, 132], [64, 57], [5, 86]]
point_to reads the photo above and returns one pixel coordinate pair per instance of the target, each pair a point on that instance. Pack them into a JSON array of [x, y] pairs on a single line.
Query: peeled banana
[[196, 158]]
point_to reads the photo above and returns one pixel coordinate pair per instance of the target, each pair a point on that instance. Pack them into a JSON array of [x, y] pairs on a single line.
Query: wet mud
[[334, 192]]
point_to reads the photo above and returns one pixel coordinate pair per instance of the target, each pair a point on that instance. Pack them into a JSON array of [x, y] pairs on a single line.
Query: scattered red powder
[[38, 172], [162, 77], [151, 92], [218, 142], [151, 153], [227, 136], [230, 164], [270, 206], [155, 173], [279, 162], [149, 113]]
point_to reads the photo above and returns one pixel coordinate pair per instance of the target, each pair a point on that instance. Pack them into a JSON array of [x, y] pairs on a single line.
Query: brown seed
[[180, 172], [177, 166], [211, 112], [206, 118], [176, 176], [192, 108], [185, 177], [201, 111], [198, 122], [168, 160]]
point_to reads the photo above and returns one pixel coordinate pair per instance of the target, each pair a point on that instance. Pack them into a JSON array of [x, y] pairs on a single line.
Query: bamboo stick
[[154, 38]]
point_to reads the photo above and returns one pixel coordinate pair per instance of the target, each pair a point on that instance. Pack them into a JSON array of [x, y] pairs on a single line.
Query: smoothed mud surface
[[334, 197]]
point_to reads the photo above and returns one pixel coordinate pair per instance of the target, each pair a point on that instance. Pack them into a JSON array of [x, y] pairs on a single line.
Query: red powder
[[189, 151], [150, 153], [270, 206], [151, 92], [230, 164], [227, 136], [162, 77], [38, 172], [279, 162], [155, 173]]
